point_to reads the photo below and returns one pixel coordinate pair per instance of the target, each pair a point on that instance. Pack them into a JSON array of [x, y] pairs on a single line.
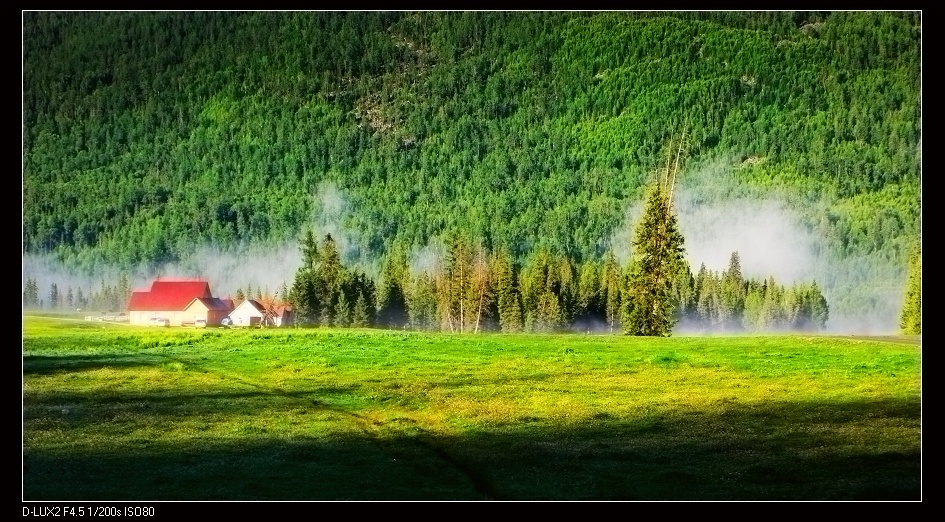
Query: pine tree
[[304, 296], [731, 295], [657, 254], [754, 303], [360, 316], [588, 307], [610, 288], [328, 278], [31, 294], [122, 293], [817, 307], [422, 302], [342, 311], [658, 250], [684, 293], [392, 301], [772, 316], [510, 312], [911, 319], [53, 296]]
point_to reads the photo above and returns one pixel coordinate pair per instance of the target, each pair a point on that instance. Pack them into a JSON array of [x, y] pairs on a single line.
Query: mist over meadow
[[769, 237]]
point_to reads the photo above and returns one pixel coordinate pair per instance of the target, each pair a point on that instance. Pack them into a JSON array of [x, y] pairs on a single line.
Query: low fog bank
[[264, 267]]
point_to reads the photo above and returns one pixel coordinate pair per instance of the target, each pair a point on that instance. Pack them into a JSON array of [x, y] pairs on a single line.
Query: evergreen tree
[[610, 287], [422, 303], [53, 296], [70, 299], [817, 307], [731, 295], [509, 309], [31, 294], [589, 309], [548, 316], [658, 250], [363, 286], [80, 299], [342, 311], [771, 317], [911, 318], [754, 302], [122, 293], [392, 301], [329, 275], [304, 295], [360, 316]]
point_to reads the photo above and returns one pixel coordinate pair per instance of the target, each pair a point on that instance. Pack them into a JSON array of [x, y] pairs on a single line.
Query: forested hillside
[[149, 134]]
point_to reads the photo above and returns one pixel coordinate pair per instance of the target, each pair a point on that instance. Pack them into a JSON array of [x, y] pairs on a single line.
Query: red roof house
[[167, 299]]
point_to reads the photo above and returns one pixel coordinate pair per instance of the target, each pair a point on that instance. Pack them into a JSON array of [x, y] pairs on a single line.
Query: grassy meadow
[[116, 412]]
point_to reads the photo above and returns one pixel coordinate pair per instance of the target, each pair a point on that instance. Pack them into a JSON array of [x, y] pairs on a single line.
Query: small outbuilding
[[254, 313], [211, 310]]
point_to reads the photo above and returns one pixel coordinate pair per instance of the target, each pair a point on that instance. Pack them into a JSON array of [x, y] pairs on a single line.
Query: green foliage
[[146, 133], [911, 319]]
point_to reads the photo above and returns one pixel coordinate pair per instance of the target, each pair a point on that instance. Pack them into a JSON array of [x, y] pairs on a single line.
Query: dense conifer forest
[[525, 136]]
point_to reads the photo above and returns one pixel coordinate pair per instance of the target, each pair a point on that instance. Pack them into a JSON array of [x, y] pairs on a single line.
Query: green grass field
[[115, 412]]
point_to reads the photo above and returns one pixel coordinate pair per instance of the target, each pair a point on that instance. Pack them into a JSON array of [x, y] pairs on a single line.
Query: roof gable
[[209, 304], [249, 306]]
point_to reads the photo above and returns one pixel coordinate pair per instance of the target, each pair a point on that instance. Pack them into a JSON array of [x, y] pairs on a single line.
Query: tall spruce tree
[[391, 298], [509, 307], [329, 274], [658, 252]]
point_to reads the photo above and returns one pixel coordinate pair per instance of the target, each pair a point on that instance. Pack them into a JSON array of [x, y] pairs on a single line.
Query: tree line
[[472, 289], [107, 298]]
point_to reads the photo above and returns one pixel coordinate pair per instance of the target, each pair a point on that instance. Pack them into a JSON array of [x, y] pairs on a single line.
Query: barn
[[169, 299]]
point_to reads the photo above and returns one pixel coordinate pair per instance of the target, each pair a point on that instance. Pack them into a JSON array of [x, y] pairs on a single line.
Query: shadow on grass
[[47, 364], [786, 451]]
